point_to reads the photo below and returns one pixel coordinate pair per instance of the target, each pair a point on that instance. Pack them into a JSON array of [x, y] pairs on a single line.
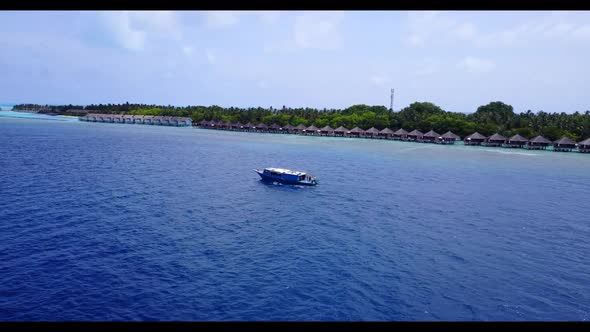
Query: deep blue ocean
[[129, 222]]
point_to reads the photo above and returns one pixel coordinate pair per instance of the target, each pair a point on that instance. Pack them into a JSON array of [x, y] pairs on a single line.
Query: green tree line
[[495, 117]]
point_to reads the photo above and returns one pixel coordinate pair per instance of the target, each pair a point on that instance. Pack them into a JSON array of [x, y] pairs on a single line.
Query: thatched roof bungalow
[[288, 128], [261, 127], [385, 133], [516, 141], [372, 132], [430, 137], [327, 130], [356, 132], [340, 131], [448, 138], [584, 146], [474, 139], [400, 134], [564, 144], [495, 140], [274, 127], [311, 130], [299, 129], [538, 143], [415, 135]]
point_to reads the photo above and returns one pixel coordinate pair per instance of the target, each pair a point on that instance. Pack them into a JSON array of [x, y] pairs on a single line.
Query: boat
[[287, 176]]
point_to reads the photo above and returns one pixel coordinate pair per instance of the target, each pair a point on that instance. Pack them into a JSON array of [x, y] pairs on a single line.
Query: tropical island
[[495, 117]]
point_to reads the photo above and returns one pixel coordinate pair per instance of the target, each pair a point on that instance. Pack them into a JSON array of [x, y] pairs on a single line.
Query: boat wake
[[512, 152]]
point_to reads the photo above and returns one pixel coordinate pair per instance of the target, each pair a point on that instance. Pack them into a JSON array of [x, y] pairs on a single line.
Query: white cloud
[[318, 30], [476, 65], [429, 27], [131, 30], [119, 25], [221, 19], [438, 28]]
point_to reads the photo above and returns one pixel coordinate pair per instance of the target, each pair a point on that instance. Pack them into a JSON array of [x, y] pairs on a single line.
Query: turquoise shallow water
[[128, 222]]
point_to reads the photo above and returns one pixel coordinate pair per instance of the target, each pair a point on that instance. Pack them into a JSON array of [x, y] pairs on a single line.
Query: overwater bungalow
[[538, 143], [128, 118], [474, 139], [584, 146], [340, 131], [495, 140], [356, 132], [260, 127], [117, 118], [235, 126], [299, 129], [287, 129], [430, 137], [564, 144], [158, 120], [273, 128], [311, 130], [448, 138], [372, 132], [166, 121], [327, 131], [91, 117], [415, 135], [248, 126], [184, 121], [148, 119], [385, 133], [400, 134], [516, 141], [107, 118]]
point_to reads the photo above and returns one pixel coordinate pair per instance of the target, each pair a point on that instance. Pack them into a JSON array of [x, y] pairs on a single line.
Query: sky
[[459, 60]]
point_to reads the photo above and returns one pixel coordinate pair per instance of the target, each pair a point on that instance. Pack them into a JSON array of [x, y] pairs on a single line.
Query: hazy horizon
[[458, 60]]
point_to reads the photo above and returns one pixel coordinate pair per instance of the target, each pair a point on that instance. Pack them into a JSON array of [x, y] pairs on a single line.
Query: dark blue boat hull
[[279, 179]]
